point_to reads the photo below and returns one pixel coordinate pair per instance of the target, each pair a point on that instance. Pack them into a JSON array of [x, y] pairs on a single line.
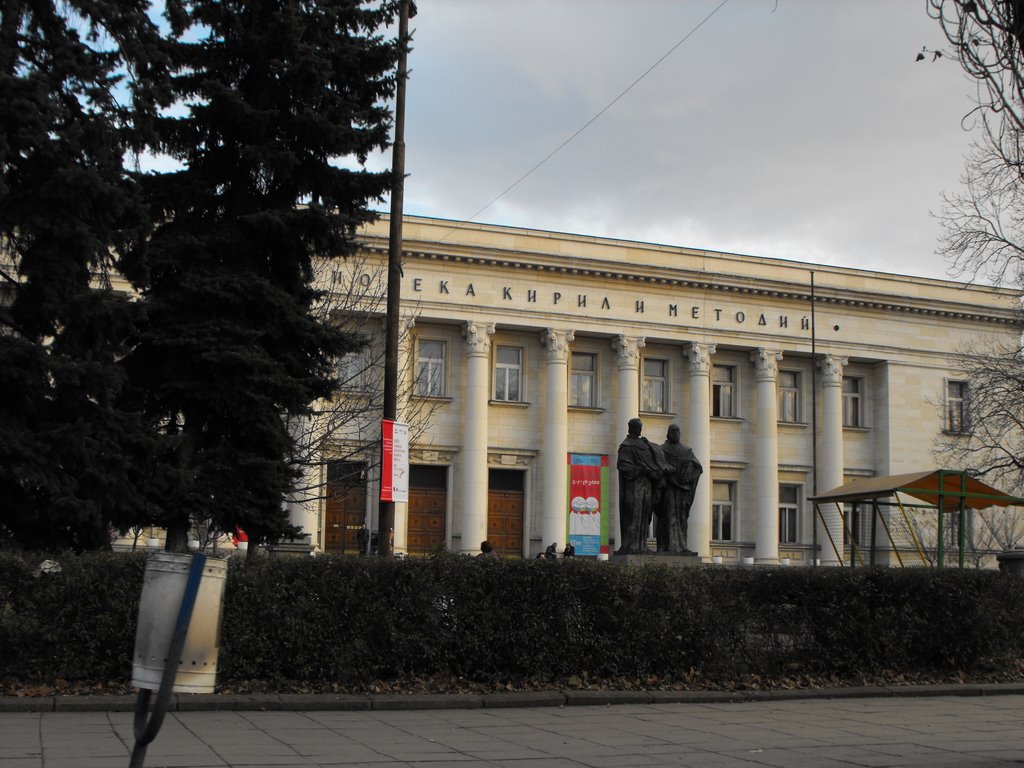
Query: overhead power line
[[592, 120]]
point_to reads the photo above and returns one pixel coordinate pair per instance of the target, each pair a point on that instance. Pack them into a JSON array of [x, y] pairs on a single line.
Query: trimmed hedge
[[352, 621]]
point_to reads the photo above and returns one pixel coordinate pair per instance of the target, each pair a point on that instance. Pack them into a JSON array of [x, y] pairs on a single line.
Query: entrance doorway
[[428, 499], [345, 508], [505, 505]]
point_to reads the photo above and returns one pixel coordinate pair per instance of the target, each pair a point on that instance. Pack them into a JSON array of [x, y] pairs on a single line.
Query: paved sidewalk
[[934, 732]]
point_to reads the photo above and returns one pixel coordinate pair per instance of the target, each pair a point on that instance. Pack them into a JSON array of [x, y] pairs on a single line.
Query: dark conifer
[[269, 102], [70, 457]]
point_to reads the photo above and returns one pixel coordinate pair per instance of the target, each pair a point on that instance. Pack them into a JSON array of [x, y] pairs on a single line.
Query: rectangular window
[[508, 374], [956, 406], [430, 375], [723, 391], [582, 384], [351, 371], [721, 510], [858, 522], [853, 413], [789, 396], [789, 514], [655, 386]]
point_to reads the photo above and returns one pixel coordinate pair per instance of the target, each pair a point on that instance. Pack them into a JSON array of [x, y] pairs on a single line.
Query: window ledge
[[586, 409], [794, 424], [435, 398], [511, 403], [733, 419], [659, 414], [847, 428]]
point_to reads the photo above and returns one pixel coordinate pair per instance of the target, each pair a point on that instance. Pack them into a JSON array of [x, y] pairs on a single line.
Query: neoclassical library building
[[525, 353]]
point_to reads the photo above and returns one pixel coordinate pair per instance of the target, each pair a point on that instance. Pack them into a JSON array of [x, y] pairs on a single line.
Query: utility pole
[[386, 510]]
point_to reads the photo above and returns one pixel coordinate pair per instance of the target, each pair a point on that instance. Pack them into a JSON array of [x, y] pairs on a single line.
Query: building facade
[[522, 349]]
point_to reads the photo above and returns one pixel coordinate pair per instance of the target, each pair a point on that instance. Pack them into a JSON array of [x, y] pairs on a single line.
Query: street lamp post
[[386, 511]]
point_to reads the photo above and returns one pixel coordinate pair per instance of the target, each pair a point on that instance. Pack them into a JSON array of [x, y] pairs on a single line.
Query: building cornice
[[501, 259]]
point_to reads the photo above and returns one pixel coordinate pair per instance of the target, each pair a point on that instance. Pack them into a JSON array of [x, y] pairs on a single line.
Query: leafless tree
[[983, 239], [347, 428], [984, 225], [990, 444]]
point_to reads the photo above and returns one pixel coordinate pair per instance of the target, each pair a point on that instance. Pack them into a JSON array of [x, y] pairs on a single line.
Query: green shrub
[[350, 622]]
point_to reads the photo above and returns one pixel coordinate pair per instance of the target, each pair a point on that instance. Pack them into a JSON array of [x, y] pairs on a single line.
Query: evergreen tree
[[70, 457], [265, 98]]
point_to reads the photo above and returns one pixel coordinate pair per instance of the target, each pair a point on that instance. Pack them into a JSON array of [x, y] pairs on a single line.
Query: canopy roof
[[928, 486]]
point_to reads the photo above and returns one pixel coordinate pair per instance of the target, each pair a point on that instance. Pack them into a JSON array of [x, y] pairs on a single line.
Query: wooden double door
[[505, 507], [428, 502], [345, 506]]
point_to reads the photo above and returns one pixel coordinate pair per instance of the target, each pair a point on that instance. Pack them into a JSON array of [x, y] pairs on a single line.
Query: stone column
[[698, 531], [830, 455], [555, 438], [406, 375], [627, 406], [303, 505], [473, 489], [766, 460]]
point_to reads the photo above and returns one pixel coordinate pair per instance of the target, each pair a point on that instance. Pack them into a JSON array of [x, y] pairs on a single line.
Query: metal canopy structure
[[943, 491]]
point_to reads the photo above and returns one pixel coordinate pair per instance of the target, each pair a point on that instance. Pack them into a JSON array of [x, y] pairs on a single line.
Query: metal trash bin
[[163, 587]]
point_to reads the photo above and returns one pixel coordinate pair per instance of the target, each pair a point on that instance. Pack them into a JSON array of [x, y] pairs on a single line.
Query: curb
[[299, 702]]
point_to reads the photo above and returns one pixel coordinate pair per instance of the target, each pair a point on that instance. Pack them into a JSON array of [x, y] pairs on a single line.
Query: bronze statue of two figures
[[655, 482]]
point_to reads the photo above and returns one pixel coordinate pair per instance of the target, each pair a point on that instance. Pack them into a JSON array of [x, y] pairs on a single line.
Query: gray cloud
[[800, 129]]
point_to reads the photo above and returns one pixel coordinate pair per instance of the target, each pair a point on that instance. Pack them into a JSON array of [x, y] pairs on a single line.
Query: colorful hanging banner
[[588, 503], [394, 466]]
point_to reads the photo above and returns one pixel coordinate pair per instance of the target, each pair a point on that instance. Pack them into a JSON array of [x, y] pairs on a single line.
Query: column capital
[[766, 363], [700, 358], [628, 350], [832, 369], [478, 338], [556, 344]]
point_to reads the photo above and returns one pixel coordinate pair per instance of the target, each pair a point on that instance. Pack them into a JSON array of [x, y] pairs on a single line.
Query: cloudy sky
[[798, 129]]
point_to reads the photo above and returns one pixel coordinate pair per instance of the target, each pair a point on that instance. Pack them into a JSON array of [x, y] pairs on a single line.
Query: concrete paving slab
[[981, 731]]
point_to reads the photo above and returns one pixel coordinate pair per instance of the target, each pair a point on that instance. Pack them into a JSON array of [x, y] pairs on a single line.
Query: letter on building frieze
[[628, 350], [700, 358], [766, 363], [478, 337], [832, 369], [556, 344]]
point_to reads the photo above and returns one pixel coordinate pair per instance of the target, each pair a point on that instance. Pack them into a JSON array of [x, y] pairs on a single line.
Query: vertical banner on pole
[[588, 503], [394, 465]]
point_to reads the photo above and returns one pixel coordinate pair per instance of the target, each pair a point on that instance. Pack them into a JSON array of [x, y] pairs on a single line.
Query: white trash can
[[163, 588]]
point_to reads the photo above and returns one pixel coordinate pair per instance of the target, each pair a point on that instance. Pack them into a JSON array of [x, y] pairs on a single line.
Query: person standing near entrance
[[487, 550], [363, 539]]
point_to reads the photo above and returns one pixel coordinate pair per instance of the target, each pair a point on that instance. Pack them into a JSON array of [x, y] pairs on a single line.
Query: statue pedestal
[[671, 559]]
